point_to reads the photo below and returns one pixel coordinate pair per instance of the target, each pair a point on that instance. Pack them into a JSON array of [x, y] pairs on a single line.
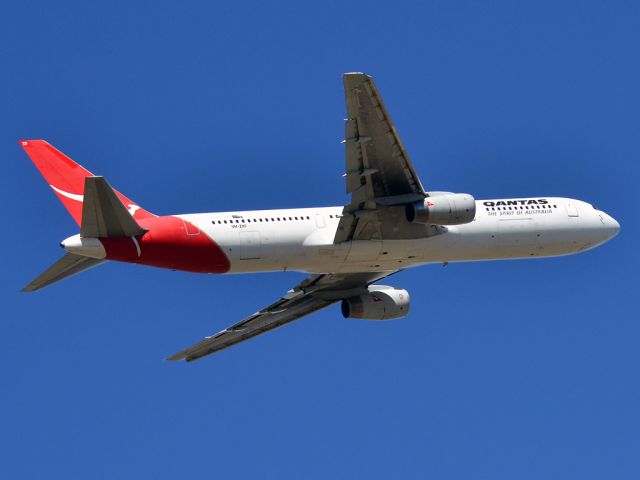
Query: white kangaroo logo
[[79, 198], [133, 209], [72, 196]]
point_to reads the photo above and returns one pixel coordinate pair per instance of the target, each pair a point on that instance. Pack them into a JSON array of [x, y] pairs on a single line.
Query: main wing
[[379, 173], [313, 294]]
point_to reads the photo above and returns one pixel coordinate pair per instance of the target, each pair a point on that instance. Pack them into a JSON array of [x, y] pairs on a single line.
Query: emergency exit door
[[572, 210]]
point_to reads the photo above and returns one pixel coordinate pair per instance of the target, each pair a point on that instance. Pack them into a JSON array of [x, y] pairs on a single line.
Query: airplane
[[391, 223]]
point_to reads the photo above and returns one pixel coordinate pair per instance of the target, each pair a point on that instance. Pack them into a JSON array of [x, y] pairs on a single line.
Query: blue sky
[[517, 369]]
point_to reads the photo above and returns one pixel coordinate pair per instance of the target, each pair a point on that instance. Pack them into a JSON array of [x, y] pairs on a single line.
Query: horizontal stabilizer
[[103, 214], [66, 267]]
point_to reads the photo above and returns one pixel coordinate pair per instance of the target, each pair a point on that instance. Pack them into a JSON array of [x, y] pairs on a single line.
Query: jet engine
[[443, 209], [379, 303]]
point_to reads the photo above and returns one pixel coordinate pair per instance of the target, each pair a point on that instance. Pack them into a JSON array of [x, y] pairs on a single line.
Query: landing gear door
[[572, 210]]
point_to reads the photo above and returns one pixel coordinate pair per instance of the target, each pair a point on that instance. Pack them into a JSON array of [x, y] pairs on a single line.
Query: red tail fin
[[66, 178]]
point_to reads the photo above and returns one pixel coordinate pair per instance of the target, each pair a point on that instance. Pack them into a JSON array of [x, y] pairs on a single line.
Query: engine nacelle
[[380, 303], [443, 209]]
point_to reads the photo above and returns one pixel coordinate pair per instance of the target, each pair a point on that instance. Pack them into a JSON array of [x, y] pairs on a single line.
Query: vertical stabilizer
[[67, 178]]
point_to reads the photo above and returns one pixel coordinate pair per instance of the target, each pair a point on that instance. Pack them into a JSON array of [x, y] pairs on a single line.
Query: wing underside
[[313, 294], [379, 174], [274, 316]]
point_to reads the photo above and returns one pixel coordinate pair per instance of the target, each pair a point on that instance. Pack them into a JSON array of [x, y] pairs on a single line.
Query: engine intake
[[443, 209], [380, 303]]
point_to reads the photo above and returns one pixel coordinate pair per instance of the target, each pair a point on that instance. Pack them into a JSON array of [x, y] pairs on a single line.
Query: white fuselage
[[302, 239]]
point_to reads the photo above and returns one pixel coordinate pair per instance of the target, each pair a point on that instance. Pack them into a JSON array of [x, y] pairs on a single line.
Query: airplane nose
[[611, 225]]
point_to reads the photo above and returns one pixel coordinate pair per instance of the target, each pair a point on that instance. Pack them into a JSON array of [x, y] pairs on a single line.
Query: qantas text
[[500, 203]]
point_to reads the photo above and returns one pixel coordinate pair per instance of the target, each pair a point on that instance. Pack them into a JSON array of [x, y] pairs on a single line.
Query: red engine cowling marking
[[169, 243]]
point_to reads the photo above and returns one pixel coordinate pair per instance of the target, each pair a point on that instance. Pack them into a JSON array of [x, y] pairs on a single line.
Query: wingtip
[[174, 358], [182, 356], [352, 79], [29, 288], [355, 74]]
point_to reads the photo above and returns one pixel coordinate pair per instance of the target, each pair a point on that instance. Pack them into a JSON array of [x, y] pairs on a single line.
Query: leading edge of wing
[[378, 171]]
